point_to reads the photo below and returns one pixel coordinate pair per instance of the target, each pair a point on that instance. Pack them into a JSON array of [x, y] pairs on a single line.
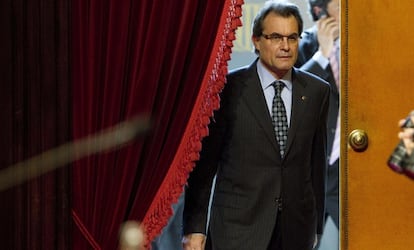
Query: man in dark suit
[[265, 198], [319, 54]]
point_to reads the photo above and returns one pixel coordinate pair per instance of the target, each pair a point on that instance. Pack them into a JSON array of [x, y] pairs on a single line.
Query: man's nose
[[285, 43]]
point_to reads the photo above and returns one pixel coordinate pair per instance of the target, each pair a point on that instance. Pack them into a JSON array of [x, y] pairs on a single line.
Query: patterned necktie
[[279, 117]]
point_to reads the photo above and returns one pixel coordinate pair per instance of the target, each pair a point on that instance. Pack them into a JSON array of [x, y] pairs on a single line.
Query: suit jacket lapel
[[256, 102], [299, 100]]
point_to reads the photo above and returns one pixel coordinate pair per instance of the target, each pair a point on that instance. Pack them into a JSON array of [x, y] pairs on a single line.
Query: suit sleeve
[[319, 159], [199, 185]]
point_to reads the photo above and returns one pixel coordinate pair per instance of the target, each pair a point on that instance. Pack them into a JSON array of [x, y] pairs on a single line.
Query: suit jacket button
[[278, 202]]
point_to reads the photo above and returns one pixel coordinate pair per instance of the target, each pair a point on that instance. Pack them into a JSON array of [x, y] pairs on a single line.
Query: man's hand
[[196, 241], [328, 32]]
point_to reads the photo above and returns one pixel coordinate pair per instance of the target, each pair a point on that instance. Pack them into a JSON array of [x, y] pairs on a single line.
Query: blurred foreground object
[[132, 236], [50, 160], [399, 161]]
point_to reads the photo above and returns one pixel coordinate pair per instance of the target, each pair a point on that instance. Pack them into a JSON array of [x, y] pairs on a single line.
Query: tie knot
[[278, 85]]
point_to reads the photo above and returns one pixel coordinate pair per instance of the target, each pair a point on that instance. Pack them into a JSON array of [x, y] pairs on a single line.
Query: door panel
[[377, 204]]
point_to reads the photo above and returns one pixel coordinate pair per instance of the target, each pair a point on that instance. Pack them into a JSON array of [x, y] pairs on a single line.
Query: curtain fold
[[73, 68], [36, 116], [164, 59]]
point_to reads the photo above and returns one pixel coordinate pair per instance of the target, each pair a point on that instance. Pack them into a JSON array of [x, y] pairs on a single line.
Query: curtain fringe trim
[[207, 102]]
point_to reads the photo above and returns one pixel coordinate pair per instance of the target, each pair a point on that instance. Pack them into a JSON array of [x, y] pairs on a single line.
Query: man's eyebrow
[[278, 34]]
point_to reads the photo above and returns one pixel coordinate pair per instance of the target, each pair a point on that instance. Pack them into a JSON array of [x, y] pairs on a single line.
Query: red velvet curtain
[[35, 110], [166, 59], [162, 58]]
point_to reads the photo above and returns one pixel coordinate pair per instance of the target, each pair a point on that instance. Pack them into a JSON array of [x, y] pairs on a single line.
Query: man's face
[[278, 55], [333, 8]]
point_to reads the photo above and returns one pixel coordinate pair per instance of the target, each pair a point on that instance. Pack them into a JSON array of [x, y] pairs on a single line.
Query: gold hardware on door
[[358, 140]]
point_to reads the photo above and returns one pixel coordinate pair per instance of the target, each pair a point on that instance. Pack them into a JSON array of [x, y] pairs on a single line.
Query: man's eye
[[277, 38], [292, 38]]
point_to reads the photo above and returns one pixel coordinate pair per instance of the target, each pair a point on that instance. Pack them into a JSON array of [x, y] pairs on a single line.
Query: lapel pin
[[303, 98]]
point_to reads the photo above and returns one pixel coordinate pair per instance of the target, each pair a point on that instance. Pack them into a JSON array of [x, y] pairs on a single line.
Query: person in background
[[266, 147], [319, 51]]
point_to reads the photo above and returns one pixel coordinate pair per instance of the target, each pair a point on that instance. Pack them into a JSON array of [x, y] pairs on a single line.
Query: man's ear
[[255, 41]]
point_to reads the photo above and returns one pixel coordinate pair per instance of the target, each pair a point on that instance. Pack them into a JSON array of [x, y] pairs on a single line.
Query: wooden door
[[377, 204]]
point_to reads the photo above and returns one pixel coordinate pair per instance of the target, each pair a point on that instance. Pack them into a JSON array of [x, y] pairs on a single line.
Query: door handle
[[358, 140]]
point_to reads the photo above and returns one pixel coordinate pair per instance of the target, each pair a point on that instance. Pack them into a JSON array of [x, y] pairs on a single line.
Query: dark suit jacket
[[307, 48], [242, 148]]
